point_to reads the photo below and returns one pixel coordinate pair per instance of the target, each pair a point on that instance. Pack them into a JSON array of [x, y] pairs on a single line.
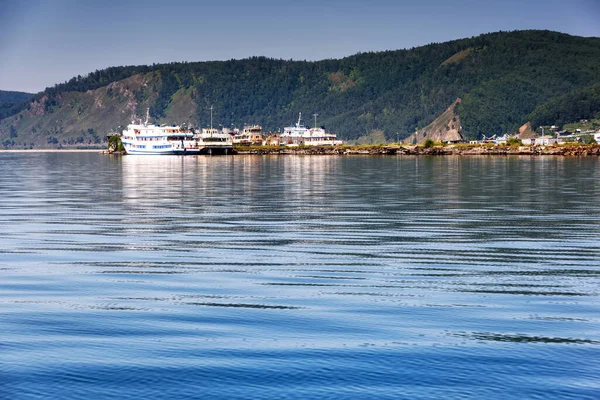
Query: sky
[[44, 42]]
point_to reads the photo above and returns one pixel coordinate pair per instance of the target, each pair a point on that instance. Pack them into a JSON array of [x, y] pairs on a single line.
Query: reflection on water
[[299, 277]]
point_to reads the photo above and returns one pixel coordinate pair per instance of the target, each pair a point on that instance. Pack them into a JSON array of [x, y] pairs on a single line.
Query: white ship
[[250, 135], [213, 141], [300, 135], [145, 138]]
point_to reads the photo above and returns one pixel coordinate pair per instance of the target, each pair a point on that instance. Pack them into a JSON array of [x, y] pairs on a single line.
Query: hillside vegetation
[[578, 104], [12, 102], [504, 79], [8, 97]]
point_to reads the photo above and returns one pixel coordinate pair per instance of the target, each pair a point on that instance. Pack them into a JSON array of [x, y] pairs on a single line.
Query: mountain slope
[[578, 104], [14, 97], [445, 128], [500, 77], [12, 102]]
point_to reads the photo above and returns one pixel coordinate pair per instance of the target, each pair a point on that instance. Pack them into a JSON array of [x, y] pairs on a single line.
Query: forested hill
[[12, 102], [13, 97], [502, 78]]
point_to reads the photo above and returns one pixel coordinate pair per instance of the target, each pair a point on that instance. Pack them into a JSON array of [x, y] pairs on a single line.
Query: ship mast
[[315, 115], [147, 116]]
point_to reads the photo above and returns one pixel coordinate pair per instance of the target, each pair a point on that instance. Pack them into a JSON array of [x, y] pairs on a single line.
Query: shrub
[[114, 143]]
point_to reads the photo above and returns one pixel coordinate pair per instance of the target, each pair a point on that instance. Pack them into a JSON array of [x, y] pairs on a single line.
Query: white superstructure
[[154, 139], [318, 137], [249, 135], [298, 135], [292, 135], [213, 141]]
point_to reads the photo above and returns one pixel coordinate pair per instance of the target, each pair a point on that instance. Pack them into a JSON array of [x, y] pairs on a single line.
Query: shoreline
[[450, 150], [55, 151], [394, 150]]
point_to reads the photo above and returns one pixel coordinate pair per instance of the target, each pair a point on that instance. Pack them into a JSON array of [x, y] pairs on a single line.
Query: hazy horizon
[[44, 44]]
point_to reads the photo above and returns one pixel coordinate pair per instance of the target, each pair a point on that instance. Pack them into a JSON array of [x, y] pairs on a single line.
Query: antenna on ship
[[147, 116], [211, 116], [299, 119], [315, 115]]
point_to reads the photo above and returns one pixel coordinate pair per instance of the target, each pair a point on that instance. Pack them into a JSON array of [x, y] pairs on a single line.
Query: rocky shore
[[403, 150], [450, 150]]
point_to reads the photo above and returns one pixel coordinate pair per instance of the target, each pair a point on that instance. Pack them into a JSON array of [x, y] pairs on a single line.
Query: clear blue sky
[[43, 42]]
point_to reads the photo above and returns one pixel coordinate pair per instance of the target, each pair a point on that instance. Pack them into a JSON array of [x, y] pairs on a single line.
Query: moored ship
[[300, 135], [250, 135], [145, 138], [213, 141]]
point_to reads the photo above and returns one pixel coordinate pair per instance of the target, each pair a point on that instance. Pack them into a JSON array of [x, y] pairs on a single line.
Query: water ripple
[[299, 277]]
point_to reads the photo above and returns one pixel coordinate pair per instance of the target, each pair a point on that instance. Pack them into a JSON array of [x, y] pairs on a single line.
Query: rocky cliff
[[445, 128]]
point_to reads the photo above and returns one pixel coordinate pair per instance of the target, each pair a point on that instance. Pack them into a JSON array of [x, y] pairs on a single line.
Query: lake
[[299, 277]]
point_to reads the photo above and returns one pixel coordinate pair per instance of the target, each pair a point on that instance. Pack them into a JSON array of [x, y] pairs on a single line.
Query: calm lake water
[[291, 277]]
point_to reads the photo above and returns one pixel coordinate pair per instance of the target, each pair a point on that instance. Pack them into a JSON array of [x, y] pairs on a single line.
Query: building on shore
[[545, 141], [273, 139]]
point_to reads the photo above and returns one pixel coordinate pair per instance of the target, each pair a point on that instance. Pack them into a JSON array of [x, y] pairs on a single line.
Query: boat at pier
[[250, 135], [145, 138], [300, 135], [213, 141]]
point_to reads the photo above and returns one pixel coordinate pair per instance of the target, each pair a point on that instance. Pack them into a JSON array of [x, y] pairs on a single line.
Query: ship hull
[[183, 152]]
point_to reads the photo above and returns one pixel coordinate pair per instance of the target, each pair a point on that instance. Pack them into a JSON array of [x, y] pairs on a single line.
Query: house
[[273, 139], [501, 139], [567, 139], [545, 141]]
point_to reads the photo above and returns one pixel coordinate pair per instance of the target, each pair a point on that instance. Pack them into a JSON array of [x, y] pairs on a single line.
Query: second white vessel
[[300, 135]]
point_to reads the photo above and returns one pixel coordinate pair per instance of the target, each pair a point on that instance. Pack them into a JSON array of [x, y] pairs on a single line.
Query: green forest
[[578, 104], [504, 79], [12, 102]]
